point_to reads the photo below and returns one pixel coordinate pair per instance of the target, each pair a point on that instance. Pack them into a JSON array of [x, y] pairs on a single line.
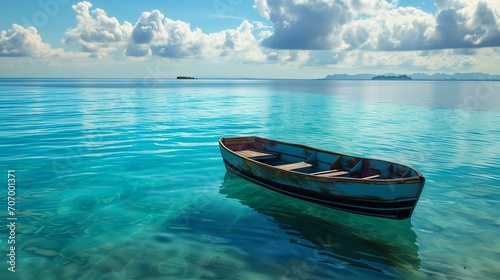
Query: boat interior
[[302, 159]]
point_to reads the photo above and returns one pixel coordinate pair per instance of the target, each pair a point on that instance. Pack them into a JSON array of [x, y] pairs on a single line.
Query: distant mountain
[[350, 77], [457, 76], [419, 76]]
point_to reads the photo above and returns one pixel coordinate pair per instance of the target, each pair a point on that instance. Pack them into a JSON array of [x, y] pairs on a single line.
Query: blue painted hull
[[364, 186]]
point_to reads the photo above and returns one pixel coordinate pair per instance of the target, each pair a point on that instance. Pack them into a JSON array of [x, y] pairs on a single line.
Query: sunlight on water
[[122, 179]]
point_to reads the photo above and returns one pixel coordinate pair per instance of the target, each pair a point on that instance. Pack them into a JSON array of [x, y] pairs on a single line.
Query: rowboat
[[364, 186]]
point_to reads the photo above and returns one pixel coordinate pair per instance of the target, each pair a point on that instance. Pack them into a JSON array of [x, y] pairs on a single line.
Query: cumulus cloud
[[396, 29], [156, 35], [239, 43], [467, 24], [20, 41], [354, 31], [180, 40], [380, 25], [95, 31], [305, 24], [369, 7], [149, 26]]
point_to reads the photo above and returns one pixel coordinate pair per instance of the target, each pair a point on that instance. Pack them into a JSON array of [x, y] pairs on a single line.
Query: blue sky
[[243, 38]]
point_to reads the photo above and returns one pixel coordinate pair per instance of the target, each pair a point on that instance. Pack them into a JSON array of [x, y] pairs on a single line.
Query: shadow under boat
[[335, 236]]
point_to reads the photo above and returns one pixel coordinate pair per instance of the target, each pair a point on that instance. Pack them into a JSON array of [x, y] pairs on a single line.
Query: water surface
[[122, 179]]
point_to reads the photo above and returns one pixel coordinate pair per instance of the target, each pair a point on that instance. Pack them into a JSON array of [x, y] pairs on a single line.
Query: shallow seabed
[[122, 179]]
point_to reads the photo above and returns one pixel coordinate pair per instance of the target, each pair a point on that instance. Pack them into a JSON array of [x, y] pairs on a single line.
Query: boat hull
[[392, 199]]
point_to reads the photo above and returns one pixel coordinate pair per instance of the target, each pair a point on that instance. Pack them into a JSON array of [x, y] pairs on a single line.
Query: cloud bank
[[300, 33], [156, 35], [380, 26], [339, 25]]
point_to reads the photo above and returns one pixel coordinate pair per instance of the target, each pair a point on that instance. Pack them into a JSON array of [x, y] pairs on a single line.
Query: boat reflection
[[337, 237]]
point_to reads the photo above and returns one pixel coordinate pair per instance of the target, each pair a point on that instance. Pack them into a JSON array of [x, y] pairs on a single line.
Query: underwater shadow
[[337, 238]]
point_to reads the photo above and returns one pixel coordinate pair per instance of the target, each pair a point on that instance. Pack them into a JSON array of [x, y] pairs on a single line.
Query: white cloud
[[350, 31], [370, 25], [305, 24], [239, 43], [288, 57], [369, 7], [156, 35], [263, 8], [149, 26], [396, 29], [180, 40], [380, 25], [20, 41], [95, 31], [467, 24]]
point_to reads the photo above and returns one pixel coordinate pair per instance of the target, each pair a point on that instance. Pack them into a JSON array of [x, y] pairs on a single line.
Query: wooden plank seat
[[371, 177], [254, 154], [331, 173], [295, 165]]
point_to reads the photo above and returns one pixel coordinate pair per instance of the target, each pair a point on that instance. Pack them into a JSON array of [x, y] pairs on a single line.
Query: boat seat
[[371, 177], [296, 165], [325, 171], [331, 173], [256, 154]]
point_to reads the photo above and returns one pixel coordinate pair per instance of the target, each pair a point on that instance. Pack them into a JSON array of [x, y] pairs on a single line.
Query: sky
[[247, 39]]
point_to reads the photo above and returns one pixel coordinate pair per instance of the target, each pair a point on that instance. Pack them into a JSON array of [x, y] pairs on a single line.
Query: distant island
[[417, 77], [185, 78], [400, 77]]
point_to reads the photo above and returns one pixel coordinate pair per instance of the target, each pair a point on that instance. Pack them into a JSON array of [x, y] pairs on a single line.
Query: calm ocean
[[122, 179]]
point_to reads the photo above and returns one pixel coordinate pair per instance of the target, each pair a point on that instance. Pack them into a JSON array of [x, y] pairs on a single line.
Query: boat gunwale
[[378, 181]]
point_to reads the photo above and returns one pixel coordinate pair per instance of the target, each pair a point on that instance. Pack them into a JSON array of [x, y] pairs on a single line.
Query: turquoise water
[[122, 179]]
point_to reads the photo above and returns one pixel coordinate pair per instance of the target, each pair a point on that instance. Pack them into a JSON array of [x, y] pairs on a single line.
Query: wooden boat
[[360, 185]]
